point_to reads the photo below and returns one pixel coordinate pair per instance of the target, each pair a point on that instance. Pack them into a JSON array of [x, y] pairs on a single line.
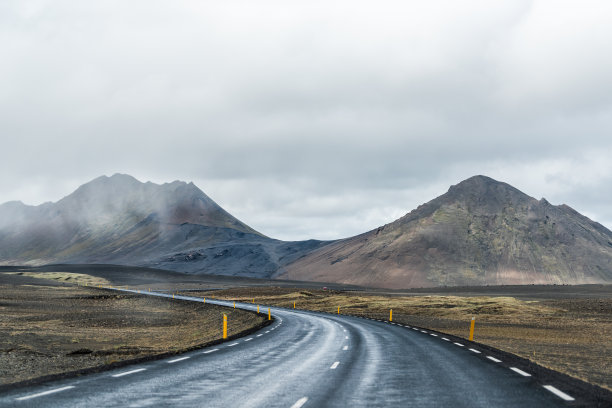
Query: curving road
[[307, 359]]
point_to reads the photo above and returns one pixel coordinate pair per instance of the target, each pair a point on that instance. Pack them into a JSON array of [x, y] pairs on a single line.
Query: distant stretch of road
[[307, 359]]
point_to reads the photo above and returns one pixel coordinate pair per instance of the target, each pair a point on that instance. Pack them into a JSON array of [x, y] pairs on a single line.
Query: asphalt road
[[307, 359]]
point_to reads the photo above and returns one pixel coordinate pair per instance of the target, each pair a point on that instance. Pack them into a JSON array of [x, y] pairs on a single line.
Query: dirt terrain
[[49, 328], [572, 335], [562, 327]]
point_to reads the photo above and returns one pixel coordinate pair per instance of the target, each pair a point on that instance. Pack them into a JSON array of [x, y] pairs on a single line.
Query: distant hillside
[[481, 232], [123, 221]]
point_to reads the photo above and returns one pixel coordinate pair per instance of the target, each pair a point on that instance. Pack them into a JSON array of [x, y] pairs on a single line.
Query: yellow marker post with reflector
[[203, 300], [257, 308], [269, 317], [338, 309], [472, 324], [253, 301], [173, 296], [225, 326], [390, 315], [294, 304], [234, 305]]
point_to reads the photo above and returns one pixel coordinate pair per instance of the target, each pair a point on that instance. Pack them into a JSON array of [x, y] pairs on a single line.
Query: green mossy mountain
[[481, 232]]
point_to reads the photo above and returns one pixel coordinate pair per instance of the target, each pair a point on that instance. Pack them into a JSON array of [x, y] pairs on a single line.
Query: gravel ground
[[57, 328]]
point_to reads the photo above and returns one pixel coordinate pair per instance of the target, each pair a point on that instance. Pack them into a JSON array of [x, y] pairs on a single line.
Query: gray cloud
[[321, 119]]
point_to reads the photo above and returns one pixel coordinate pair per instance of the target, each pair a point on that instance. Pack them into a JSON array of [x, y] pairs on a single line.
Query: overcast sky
[[309, 119]]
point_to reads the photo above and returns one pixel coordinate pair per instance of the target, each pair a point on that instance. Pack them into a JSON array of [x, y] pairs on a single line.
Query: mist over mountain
[[481, 232], [123, 221]]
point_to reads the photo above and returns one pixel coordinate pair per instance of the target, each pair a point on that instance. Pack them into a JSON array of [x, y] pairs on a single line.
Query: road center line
[[129, 372], [559, 393], [494, 359], [521, 372], [40, 394], [333, 366], [178, 359], [210, 351], [299, 403]]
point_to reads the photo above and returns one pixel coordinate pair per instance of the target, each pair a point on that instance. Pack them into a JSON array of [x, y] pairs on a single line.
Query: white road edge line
[[299, 403], [559, 393], [40, 394], [333, 366], [128, 372], [494, 359], [475, 351], [210, 351], [178, 359], [521, 372]]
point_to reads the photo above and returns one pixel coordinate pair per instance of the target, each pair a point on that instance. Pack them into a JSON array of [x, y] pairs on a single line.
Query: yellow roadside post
[[390, 315], [257, 308], [203, 300], [294, 304], [338, 309], [472, 328], [225, 326], [269, 317], [173, 296], [253, 301], [234, 305]]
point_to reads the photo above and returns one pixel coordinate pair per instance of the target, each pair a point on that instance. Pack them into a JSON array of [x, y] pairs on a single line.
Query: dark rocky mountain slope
[[481, 232], [120, 220]]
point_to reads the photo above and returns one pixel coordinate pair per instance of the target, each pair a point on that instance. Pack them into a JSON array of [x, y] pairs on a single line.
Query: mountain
[[481, 232], [123, 221]]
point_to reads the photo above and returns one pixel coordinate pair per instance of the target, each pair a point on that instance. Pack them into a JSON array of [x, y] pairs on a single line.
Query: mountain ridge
[[480, 232]]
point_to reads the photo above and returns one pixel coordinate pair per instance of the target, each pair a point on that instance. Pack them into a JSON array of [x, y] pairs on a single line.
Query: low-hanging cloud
[[313, 120]]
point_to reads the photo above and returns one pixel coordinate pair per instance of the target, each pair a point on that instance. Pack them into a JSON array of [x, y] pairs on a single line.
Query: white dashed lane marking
[[210, 351], [333, 366], [249, 339], [433, 334], [178, 359], [445, 339], [300, 403], [494, 359], [475, 351], [458, 344], [345, 348], [521, 372], [259, 335], [232, 345], [40, 394], [559, 393], [129, 372]]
